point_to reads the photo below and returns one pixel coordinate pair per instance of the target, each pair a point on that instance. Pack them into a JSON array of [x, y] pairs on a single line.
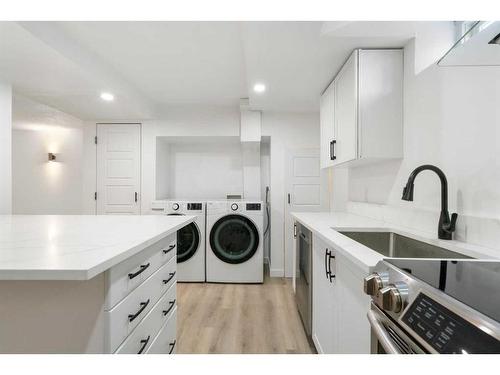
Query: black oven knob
[[374, 282], [234, 207], [392, 297], [175, 206]]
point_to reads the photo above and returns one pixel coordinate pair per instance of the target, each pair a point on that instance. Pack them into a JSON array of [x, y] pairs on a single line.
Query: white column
[[5, 149], [251, 170]]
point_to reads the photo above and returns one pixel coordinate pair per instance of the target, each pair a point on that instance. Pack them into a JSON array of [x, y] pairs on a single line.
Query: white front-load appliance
[[190, 240], [234, 244]]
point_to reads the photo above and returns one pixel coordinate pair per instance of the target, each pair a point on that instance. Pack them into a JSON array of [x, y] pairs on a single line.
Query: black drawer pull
[[172, 346], [172, 304], [142, 269], [144, 344], [131, 317], [171, 276], [170, 248]]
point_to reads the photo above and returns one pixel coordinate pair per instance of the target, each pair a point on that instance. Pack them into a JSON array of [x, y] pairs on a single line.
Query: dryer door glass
[[234, 239], [188, 240]]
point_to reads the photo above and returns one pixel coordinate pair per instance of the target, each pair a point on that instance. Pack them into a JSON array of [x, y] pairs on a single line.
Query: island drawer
[[144, 334], [165, 342], [129, 274], [126, 315]]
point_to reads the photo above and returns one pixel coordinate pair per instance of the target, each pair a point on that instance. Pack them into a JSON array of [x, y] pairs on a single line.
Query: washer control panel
[[254, 207], [234, 206], [194, 206]]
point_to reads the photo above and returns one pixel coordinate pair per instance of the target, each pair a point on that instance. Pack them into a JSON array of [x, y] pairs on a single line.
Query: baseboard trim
[[276, 272]]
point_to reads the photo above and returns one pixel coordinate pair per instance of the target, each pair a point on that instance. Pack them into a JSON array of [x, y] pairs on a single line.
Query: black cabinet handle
[[144, 344], [172, 304], [171, 276], [141, 270], [328, 257], [332, 149], [172, 346], [135, 196], [131, 317], [170, 248]]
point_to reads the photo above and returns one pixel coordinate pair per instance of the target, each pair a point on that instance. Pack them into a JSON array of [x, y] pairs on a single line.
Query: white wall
[[40, 186], [452, 120], [5, 149], [199, 170], [265, 176], [287, 131]]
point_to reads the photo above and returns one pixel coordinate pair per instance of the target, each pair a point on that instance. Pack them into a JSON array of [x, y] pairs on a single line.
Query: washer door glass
[[234, 239], [188, 240]]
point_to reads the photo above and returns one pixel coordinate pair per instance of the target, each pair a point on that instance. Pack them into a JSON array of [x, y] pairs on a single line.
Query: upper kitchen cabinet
[[361, 111]]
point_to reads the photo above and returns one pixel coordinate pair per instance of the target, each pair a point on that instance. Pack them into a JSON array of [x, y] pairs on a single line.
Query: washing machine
[[190, 240], [234, 242]]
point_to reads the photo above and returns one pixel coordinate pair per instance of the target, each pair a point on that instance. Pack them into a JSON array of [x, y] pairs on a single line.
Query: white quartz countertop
[[76, 247], [327, 225]]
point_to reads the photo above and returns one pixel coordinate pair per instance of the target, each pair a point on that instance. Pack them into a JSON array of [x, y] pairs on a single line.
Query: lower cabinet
[[353, 329], [339, 308], [145, 317], [324, 297]]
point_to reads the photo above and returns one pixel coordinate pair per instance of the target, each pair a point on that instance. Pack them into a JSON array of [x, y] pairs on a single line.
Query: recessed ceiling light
[[108, 97], [259, 88]]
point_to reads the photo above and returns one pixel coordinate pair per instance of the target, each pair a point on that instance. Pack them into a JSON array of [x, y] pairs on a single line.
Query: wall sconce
[[52, 156]]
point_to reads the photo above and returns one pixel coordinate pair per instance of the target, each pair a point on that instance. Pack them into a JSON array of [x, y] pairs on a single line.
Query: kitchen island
[[88, 284]]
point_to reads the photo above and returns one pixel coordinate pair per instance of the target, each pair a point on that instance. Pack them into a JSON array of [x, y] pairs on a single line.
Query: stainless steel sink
[[397, 246]]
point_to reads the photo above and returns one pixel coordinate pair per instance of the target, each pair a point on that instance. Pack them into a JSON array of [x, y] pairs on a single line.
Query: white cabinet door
[[380, 77], [118, 168], [327, 125], [353, 329], [324, 298], [346, 111]]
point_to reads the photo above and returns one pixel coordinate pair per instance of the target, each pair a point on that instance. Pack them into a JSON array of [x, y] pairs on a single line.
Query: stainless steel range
[[435, 306]]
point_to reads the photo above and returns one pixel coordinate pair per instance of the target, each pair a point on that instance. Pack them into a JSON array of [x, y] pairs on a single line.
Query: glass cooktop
[[474, 283]]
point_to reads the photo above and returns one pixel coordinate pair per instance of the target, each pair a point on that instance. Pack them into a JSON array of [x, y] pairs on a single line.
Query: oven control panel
[[445, 331]]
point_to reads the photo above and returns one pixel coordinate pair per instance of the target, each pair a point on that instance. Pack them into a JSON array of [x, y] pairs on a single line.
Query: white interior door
[[307, 190], [118, 169]]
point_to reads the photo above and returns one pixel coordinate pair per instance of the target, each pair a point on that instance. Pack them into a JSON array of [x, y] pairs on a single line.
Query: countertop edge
[[87, 274]]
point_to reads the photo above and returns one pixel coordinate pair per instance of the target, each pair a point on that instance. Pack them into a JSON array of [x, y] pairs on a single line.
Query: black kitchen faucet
[[446, 226]]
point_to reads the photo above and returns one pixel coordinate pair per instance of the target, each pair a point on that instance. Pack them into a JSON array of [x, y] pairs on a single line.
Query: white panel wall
[[452, 120], [40, 186], [5, 149]]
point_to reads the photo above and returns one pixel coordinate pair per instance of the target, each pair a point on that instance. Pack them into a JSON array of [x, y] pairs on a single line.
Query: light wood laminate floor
[[239, 318]]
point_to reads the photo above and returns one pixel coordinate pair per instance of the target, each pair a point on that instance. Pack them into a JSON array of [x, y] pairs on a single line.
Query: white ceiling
[[148, 65]]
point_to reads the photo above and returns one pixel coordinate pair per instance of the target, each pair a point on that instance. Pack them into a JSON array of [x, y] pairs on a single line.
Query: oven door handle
[[382, 336]]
